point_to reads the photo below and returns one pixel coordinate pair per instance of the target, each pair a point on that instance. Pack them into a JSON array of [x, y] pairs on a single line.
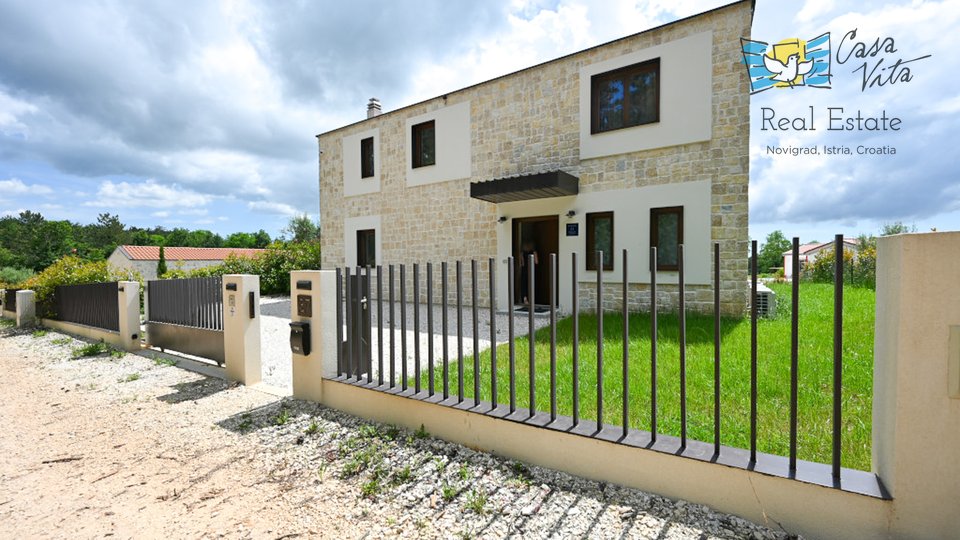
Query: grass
[[814, 385], [161, 361], [7, 323], [477, 501], [39, 333], [61, 341], [93, 349], [129, 378]]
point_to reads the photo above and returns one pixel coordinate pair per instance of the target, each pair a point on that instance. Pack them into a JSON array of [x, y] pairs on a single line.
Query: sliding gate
[[186, 315]]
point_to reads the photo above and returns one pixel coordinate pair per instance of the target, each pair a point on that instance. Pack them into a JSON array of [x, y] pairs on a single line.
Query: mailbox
[[300, 338]]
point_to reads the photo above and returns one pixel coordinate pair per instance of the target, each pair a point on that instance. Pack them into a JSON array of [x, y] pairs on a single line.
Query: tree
[[261, 239], [302, 229], [771, 254], [162, 264], [897, 227], [240, 240]]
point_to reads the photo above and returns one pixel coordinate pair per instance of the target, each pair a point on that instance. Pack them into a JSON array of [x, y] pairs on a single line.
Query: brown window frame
[[367, 163], [655, 214], [364, 236], [623, 73], [417, 142], [591, 241]]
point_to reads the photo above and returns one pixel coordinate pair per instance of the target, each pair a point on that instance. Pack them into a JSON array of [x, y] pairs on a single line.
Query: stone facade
[[529, 121]]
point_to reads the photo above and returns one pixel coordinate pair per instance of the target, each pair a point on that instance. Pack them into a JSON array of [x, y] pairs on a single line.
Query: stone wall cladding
[[529, 121]]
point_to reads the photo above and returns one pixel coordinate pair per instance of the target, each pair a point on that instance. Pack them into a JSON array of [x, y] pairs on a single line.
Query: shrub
[[11, 276], [859, 271], [273, 266], [72, 270]]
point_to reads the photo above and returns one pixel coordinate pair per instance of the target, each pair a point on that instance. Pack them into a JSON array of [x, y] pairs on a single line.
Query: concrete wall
[[148, 269], [533, 121]]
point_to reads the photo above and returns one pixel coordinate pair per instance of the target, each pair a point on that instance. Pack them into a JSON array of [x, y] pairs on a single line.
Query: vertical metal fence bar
[[348, 361], [476, 332], [625, 306], [575, 307], [393, 339], [599, 262], [493, 331], [837, 352], [511, 345], [416, 328], [358, 333], [794, 350], [445, 331], [403, 327], [653, 344], [430, 328], [683, 349], [716, 348], [369, 324], [553, 337], [531, 293], [379, 325], [459, 332], [753, 351]]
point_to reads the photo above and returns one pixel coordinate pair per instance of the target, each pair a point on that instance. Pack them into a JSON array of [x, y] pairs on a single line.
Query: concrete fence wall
[[916, 419]]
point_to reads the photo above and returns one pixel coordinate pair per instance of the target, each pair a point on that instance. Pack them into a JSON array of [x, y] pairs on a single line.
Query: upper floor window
[[424, 144], [625, 97], [366, 157], [600, 238], [666, 234]]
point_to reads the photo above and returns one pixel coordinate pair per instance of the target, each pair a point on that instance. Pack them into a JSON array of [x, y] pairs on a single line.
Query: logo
[[788, 63]]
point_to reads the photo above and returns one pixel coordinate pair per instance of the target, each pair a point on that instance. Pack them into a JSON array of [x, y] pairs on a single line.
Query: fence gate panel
[[92, 304], [10, 300], [186, 315]]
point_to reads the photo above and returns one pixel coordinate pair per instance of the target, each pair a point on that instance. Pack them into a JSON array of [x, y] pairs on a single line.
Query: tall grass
[[815, 374]]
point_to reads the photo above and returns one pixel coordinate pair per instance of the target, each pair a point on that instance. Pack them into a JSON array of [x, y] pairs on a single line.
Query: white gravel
[[275, 335]]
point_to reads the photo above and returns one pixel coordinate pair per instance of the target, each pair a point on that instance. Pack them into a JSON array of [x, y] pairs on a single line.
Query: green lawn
[[815, 380]]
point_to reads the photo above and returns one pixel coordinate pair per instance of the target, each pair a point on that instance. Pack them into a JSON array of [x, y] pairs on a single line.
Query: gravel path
[[132, 447], [275, 335]]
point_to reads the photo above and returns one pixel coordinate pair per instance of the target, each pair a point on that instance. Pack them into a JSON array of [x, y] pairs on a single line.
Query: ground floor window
[[599, 238], [367, 247], [666, 234]]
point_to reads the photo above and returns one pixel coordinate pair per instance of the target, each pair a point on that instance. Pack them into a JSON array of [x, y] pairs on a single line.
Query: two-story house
[[639, 142]]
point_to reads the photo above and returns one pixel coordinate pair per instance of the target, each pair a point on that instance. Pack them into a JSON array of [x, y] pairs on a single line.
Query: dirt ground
[[86, 455]]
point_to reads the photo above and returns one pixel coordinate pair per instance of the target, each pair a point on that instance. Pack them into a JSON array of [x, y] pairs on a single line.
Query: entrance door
[[541, 235]]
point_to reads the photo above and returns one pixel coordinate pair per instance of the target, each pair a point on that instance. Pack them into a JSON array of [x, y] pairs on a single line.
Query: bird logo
[[789, 63], [789, 72]]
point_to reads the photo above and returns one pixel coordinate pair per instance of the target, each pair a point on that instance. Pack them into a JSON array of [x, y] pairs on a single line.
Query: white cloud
[[15, 186], [268, 207], [814, 8], [161, 214], [149, 194]]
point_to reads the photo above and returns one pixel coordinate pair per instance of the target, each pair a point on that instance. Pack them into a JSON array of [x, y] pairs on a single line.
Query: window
[[600, 238], [625, 97], [424, 144], [367, 247], [366, 157], [666, 234]]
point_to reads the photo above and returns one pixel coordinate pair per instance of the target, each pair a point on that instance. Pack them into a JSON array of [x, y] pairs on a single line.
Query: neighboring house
[[809, 252], [637, 142], [144, 259]]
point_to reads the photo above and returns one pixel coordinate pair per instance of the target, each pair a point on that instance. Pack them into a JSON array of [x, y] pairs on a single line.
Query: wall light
[[571, 213], [502, 219]]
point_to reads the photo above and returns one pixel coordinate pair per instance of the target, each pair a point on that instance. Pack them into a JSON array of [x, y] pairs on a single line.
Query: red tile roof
[[808, 248], [152, 253]]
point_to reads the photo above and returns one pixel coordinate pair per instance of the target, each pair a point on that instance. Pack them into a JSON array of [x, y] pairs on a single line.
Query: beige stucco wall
[[148, 269], [530, 121]]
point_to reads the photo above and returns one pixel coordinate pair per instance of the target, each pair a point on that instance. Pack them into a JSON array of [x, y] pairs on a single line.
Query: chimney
[[373, 107]]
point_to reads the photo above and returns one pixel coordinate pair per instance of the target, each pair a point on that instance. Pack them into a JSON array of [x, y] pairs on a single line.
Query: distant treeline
[[31, 242]]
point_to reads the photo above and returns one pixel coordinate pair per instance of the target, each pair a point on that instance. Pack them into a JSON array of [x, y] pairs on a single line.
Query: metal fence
[[194, 302], [384, 377], [92, 304], [10, 300]]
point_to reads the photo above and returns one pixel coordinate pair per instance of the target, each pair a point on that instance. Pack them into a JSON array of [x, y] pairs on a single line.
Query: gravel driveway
[[131, 446], [275, 335]]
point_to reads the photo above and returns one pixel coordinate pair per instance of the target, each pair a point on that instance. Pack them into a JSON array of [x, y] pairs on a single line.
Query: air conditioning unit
[[766, 301]]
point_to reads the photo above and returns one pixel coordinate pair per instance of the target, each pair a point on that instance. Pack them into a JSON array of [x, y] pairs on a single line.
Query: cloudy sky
[[203, 114]]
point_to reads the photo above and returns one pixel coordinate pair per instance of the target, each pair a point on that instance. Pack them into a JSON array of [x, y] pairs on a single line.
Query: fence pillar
[[26, 308], [320, 287], [128, 300], [916, 420], [241, 327]]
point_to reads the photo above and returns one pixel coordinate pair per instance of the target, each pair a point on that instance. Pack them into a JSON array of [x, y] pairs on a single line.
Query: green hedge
[[273, 266], [71, 270]]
